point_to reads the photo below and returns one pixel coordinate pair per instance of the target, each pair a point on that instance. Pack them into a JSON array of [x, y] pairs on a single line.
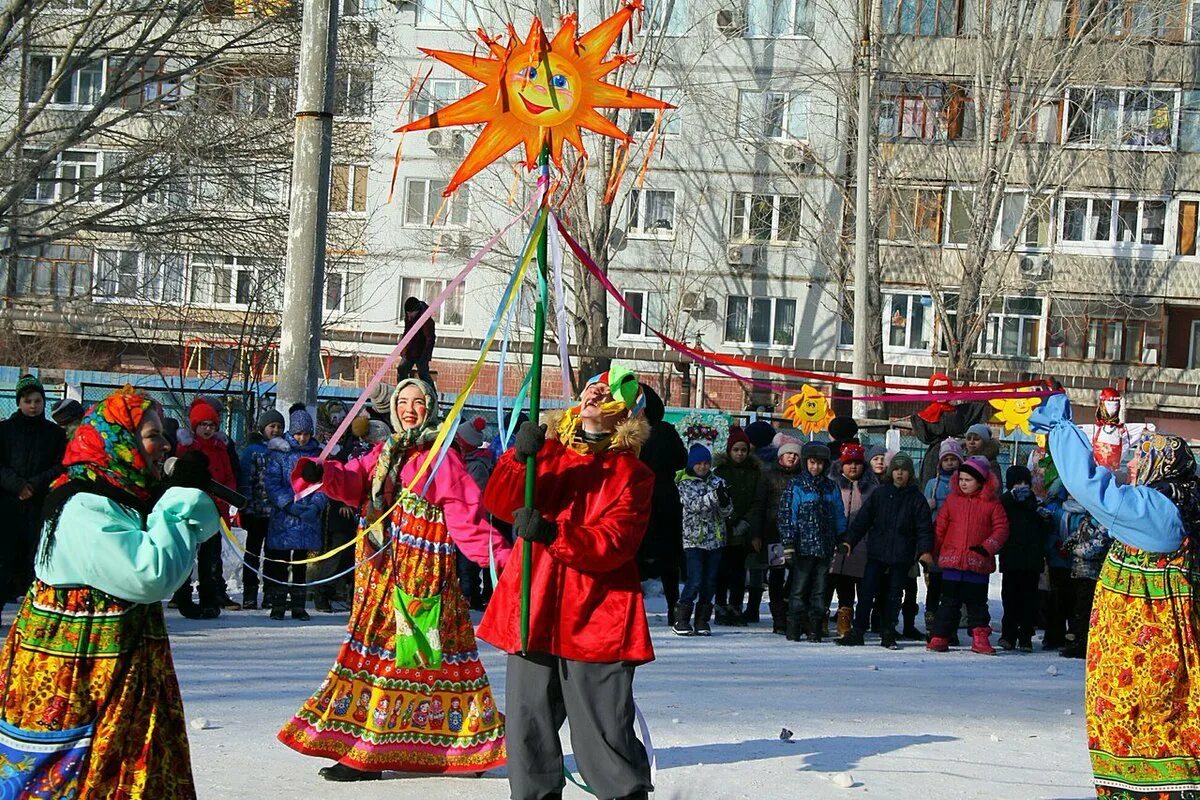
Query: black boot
[[189, 610], [816, 627], [779, 618], [852, 639], [1076, 649], [794, 631], [703, 610], [683, 619], [344, 774], [753, 605]]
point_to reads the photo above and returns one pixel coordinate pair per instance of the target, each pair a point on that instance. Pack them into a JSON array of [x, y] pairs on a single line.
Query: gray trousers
[[541, 691]]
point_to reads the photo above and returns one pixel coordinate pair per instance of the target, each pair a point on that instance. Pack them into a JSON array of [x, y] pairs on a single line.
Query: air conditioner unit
[[1034, 267], [462, 247], [800, 159], [694, 302], [742, 256], [446, 142], [729, 22]]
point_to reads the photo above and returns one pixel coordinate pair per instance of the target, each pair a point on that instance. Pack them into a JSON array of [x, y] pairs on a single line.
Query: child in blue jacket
[[812, 519]]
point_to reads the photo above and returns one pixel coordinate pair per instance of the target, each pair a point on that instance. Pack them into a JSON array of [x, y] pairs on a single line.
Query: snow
[[895, 724]]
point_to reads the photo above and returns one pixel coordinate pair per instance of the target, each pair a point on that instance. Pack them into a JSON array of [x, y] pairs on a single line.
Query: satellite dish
[[617, 239]]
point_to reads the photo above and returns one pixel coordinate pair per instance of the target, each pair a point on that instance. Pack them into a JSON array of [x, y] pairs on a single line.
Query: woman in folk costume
[[373, 713], [1143, 658], [90, 643]]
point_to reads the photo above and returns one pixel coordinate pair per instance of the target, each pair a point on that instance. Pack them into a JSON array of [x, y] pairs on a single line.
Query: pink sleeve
[[462, 504], [347, 483]]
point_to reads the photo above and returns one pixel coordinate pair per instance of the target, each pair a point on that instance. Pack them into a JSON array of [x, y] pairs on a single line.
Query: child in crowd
[[1088, 547], [980, 442], [762, 561], [896, 525], [1060, 600], [877, 462], [706, 505], [295, 526], [971, 528], [937, 489], [1022, 560], [846, 572], [257, 513], [475, 581], [811, 519], [743, 475]]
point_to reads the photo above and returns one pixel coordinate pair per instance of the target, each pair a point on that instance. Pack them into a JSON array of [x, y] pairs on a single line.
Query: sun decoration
[[809, 411], [1014, 412], [538, 92]]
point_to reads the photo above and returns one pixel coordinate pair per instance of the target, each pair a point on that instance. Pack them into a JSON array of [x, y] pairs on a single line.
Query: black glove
[[529, 524], [312, 471], [191, 471], [529, 441], [723, 495], [981, 550]]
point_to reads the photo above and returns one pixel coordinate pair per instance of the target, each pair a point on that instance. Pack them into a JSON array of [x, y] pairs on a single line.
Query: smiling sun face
[[538, 91], [809, 411], [1014, 412]]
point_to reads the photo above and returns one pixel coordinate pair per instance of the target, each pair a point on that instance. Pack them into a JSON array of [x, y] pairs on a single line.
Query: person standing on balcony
[[419, 351]]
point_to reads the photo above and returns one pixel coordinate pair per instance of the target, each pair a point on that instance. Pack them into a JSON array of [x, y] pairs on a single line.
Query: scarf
[[396, 448], [1168, 466]]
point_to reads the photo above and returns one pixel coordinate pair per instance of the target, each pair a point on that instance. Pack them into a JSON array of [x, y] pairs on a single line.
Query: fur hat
[[815, 450], [977, 467], [361, 425], [698, 454], [853, 454], [760, 433], [737, 436], [950, 447], [66, 411], [269, 417], [202, 411], [27, 384], [1017, 474], [981, 430], [843, 429], [300, 421]]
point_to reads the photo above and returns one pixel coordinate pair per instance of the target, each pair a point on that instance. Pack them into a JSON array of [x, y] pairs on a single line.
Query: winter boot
[[938, 644], [980, 643], [888, 640], [853, 638], [1076, 649], [683, 619], [1006, 644], [911, 632], [721, 614], [817, 627], [794, 631], [845, 620], [703, 612], [779, 618], [343, 774], [754, 604], [1025, 645]]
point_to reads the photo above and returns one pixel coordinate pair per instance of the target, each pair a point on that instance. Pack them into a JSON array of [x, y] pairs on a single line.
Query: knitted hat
[[760, 433], [815, 450], [470, 436], [875, 450], [300, 421], [1017, 474], [27, 384], [66, 411], [737, 436], [269, 417], [202, 411], [901, 461], [853, 454], [981, 430], [789, 445], [698, 453], [361, 425], [950, 447], [977, 467], [843, 429], [379, 399]]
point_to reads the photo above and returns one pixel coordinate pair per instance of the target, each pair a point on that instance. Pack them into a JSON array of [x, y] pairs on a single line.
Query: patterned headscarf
[[106, 447], [1168, 466], [391, 458]]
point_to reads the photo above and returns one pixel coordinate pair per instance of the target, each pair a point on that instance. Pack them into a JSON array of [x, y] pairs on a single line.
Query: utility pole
[[304, 280], [862, 211]]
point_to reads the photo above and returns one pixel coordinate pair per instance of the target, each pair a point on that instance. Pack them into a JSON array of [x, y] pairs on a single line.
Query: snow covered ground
[[905, 724]]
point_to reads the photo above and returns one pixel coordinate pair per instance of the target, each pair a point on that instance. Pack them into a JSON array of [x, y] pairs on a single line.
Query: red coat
[[585, 593], [220, 465], [965, 521]]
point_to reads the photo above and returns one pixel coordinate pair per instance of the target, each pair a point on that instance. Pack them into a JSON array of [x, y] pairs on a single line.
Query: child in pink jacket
[[971, 529]]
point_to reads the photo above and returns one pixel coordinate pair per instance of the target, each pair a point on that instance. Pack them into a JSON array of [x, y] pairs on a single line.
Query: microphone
[[218, 489]]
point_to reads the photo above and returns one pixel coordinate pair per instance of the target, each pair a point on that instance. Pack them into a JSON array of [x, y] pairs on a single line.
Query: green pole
[[535, 394]]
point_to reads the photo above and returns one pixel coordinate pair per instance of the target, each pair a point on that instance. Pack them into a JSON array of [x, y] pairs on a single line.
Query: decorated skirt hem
[[408, 757]]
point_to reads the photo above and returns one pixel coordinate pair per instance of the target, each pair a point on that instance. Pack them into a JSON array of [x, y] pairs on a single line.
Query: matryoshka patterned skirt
[[370, 714]]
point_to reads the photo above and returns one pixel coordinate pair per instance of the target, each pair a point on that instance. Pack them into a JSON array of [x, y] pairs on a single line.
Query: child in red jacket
[[971, 529]]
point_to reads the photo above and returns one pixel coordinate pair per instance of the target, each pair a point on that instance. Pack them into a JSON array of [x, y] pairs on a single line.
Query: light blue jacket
[[102, 544], [1137, 516]]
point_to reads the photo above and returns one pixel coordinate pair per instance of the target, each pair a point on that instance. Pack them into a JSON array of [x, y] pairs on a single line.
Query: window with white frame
[[237, 281], [133, 276], [647, 306], [50, 270], [765, 217], [667, 17], [1013, 327], [79, 85], [773, 115], [1189, 121], [159, 82], [652, 213], [343, 288], [1112, 223], [153, 181], [908, 321], [450, 313], [1025, 221], [352, 92], [1193, 20], [354, 8], [348, 188], [426, 207], [767, 321], [442, 13], [960, 215], [264, 96], [436, 94], [240, 186], [72, 175], [1134, 119], [772, 18], [644, 120]]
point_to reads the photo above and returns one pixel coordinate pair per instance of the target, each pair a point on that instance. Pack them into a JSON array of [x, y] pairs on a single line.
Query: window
[[353, 8], [1125, 331], [1024, 222], [770, 18], [960, 215], [1014, 327], [1194, 348], [1115, 340], [53, 270], [153, 181], [158, 82], [240, 186], [773, 115], [1143, 19], [348, 188], [926, 111], [72, 175], [1194, 20], [913, 216], [765, 217], [426, 207], [1135, 119], [264, 96], [667, 17], [769, 321], [436, 94], [442, 13], [1113, 223], [644, 120], [79, 85], [1189, 122], [140, 277], [343, 288], [921, 17], [352, 93], [908, 321], [1185, 238], [652, 213], [450, 313], [648, 306], [237, 280]]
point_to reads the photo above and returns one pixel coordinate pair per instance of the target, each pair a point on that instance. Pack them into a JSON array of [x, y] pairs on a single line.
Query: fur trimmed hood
[[631, 434]]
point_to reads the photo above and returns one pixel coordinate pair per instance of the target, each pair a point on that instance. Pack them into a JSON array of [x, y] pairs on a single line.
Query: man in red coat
[[587, 621]]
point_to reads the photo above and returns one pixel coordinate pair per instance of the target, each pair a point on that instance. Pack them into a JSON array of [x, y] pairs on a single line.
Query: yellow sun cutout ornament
[[1014, 412], [809, 411], [538, 92]]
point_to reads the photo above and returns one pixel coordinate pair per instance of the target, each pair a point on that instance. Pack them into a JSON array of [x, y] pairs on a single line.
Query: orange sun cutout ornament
[[538, 92]]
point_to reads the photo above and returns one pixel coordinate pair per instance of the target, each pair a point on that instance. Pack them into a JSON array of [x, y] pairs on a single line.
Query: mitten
[[191, 471], [529, 524], [312, 471], [1055, 409], [723, 495], [978, 548], [529, 440]]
